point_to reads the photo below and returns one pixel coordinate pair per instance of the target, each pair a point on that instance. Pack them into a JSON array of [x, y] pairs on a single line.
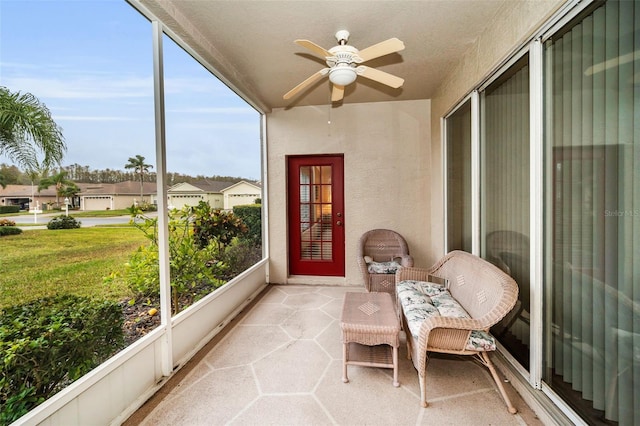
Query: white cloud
[[85, 87], [91, 118], [213, 126], [214, 110], [18, 66]]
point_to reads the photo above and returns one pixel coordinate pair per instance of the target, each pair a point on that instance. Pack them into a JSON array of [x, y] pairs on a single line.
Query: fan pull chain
[[329, 119]]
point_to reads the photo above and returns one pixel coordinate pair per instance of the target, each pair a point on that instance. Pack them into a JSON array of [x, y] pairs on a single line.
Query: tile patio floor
[[280, 363]]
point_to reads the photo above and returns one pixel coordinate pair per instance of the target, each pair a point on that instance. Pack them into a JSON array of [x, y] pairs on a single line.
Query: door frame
[[316, 267]]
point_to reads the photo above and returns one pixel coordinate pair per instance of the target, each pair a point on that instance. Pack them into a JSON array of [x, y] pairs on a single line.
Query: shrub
[[9, 230], [251, 215], [7, 222], [142, 272], [239, 257], [215, 225], [194, 269], [9, 209], [63, 222], [48, 343], [148, 207]]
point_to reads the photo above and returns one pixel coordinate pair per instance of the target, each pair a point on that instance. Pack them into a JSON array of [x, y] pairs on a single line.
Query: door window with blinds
[[315, 212], [593, 215]]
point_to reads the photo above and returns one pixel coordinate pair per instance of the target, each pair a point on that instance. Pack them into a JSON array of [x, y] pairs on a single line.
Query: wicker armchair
[[485, 292], [382, 245]]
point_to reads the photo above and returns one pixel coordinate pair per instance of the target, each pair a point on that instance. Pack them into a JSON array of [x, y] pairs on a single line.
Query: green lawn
[[99, 213], [25, 213], [40, 263]]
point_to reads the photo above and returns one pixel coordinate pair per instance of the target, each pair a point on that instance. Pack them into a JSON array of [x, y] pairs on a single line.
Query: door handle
[[339, 223]]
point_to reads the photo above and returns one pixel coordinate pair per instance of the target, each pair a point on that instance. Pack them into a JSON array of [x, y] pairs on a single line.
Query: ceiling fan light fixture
[[342, 76]]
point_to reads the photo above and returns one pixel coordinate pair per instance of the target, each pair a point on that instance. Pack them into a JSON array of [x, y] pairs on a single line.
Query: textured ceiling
[[251, 43]]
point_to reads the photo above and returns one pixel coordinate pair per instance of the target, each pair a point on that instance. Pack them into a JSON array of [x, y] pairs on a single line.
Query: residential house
[[514, 137], [115, 196], [27, 197], [241, 193], [110, 196], [190, 194], [92, 196], [219, 194]]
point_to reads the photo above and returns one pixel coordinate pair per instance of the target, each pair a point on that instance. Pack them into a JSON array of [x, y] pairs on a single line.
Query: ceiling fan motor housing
[[343, 55]]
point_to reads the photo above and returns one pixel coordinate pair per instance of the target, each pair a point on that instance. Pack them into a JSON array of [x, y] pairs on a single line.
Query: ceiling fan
[[344, 67]]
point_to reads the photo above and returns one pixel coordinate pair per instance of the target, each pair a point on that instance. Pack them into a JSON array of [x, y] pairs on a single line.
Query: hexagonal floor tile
[[296, 367], [306, 301], [306, 324]]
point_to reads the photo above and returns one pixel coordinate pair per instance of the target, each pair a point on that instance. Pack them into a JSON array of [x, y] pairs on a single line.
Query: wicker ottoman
[[370, 332]]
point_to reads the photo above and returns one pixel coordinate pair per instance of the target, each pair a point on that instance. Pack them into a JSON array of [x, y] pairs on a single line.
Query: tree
[[9, 175], [60, 181], [27, 130], [139, 166], [70, 191]]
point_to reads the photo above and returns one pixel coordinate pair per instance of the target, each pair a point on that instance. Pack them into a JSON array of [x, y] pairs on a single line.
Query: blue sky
[[90, 62]]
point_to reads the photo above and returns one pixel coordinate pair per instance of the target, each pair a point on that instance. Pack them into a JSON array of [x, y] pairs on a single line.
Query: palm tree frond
[[26, 125]]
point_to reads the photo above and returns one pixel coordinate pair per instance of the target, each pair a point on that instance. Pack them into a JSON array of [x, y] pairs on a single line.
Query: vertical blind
[[459, 179], [505, 195], [593, 267]]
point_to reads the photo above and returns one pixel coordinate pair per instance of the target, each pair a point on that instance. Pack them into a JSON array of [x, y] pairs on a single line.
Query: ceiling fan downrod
[[343, 37]]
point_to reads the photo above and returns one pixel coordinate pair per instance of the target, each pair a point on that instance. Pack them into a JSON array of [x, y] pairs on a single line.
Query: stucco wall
[[517, 22], [386, 147]]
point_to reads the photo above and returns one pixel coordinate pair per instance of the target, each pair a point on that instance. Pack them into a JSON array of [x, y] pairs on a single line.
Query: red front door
[[316, 215]]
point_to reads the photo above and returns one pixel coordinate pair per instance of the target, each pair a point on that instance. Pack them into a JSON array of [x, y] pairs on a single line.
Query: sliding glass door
[[592, 261], [584, 328], [458, 125], [504, 204]]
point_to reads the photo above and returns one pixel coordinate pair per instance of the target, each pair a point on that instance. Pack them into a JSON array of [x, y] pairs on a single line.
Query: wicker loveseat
[[380, 253], [450, 307]]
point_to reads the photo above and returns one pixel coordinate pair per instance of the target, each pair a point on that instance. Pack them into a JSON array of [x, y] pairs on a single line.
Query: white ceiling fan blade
[[337, 93], [383, 48], [380, 76], [318, 50], [308, 82]]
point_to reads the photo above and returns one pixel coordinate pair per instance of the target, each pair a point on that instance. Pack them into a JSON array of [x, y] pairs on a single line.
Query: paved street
[[39, 221]]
